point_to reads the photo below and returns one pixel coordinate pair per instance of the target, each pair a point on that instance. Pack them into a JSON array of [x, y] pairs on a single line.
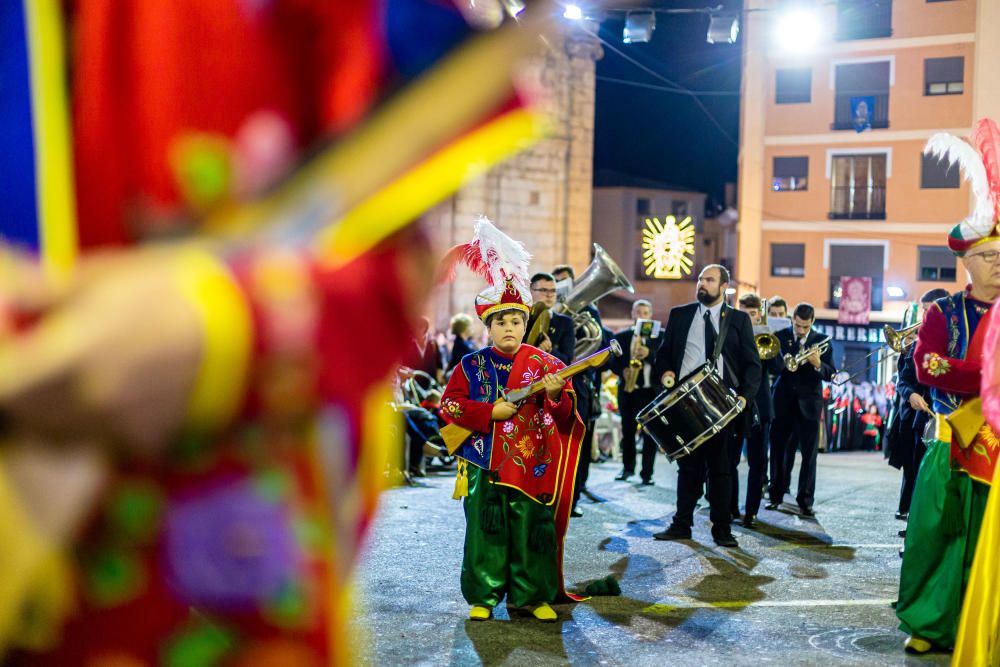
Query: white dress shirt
[[694, 351]]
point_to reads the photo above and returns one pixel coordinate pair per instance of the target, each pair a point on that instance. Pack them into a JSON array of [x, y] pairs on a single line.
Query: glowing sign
[[668, 247]]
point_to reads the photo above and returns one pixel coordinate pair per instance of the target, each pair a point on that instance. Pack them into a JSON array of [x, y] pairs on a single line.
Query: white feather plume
[[956, 151], [503, 257]]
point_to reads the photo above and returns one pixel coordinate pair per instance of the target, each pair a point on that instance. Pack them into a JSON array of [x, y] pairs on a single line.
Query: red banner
[[855, 300]]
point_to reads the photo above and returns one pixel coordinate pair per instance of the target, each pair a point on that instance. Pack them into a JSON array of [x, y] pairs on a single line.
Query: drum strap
[[723, 328]]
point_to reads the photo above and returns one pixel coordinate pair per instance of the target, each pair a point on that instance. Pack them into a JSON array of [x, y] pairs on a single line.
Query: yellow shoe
[[545, 613], [480, 613], [917, 645]]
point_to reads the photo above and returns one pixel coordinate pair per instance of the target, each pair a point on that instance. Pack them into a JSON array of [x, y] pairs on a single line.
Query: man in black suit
[[631, 403], [798, 401], [559, 339], [692, 335], [757, 438]]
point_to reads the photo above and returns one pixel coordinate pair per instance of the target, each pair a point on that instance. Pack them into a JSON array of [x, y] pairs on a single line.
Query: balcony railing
[[864, 19], [842, 111], [857, 202]]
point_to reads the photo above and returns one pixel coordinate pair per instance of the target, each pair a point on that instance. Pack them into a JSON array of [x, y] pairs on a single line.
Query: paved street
[[797, 592]]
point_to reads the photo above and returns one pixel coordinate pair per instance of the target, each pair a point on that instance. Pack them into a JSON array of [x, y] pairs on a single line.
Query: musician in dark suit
[[757, 438], [690, 340], [559, 339], [630, 403], [906, 447], [798, 401]]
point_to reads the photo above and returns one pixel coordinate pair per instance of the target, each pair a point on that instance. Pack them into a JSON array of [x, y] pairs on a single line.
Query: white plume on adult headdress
[[493, 255], [957, 151]]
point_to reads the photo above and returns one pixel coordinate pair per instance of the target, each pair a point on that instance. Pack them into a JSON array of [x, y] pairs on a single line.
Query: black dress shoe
[[748, 521], [673, 533], [902, 533], [576, 512], [623, 476], [726, 541], [807, 511], [647, 482], [771, 506], [902, 516]]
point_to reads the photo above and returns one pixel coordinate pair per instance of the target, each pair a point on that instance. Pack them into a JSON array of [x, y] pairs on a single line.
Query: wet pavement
[[797, 591]]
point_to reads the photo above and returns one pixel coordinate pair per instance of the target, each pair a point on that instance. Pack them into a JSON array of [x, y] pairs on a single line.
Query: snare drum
[[681, 419]]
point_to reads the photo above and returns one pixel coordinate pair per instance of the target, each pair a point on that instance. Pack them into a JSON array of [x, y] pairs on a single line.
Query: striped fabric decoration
[[37, 209]]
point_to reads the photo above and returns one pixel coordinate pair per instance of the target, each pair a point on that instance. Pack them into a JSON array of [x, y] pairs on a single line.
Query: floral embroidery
[[547, 419], [935, 364], [539, 469], [527, 446], [530, 376], [452, 408], [508, 427]]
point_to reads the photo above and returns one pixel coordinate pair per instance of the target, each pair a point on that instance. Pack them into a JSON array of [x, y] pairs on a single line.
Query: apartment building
[[820, 199]]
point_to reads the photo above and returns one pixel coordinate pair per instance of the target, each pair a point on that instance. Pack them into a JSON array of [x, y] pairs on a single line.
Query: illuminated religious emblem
[[668, 247]]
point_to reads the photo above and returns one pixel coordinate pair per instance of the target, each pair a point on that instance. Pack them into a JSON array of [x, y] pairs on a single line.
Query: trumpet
[[767, 343], [896, 338], [792, 362]]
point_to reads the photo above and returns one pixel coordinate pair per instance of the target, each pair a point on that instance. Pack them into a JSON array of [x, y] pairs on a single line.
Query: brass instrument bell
[[767, 343], [896, 338]]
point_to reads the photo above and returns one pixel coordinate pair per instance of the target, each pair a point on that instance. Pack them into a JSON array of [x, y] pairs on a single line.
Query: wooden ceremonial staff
[[454, 435]]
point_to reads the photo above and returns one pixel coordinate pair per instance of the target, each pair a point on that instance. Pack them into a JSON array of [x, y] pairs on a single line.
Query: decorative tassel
[[461, 481], [491, 516], [606, 586], [952, 517], [542, 539]]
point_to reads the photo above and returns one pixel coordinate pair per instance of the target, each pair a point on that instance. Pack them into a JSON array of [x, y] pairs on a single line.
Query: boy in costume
[[516, 469], [955, 476]]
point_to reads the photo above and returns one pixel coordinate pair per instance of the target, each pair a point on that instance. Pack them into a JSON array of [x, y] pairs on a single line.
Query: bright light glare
[[894, 292], [573, 13], [798, 31], [730, 291]]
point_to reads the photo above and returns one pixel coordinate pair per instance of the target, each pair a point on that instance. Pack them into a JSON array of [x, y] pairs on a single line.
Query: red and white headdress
[[502, 261], [980, 161]]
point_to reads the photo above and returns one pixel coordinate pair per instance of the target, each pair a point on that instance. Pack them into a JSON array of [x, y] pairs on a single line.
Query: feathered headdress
[[980, 162], [498, 258]]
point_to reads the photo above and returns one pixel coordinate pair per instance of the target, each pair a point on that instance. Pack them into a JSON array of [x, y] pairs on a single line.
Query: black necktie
[[709, 336]]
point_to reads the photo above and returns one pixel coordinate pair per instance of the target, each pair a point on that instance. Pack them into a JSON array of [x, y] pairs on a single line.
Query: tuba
[[767, 343], [599, 279]]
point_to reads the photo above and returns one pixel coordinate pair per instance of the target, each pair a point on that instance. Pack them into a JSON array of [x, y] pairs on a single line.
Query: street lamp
[[639, 27], [723, 28], [797, 31]]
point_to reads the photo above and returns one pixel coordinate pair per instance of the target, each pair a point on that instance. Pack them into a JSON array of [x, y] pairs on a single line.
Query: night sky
[[655, 134]]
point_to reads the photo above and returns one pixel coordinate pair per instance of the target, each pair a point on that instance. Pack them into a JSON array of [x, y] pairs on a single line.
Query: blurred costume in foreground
[[955, 475], [516, 469], [233, 444]]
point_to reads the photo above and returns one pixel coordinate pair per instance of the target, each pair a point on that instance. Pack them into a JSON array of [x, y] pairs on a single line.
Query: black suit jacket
[[763, 402], [617, 365], [909, 424], [563, 337], [740, 362], [802, 391]]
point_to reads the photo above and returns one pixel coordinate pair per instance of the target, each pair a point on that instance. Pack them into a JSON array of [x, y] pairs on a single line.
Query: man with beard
[[559, 339], [692, 339]]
